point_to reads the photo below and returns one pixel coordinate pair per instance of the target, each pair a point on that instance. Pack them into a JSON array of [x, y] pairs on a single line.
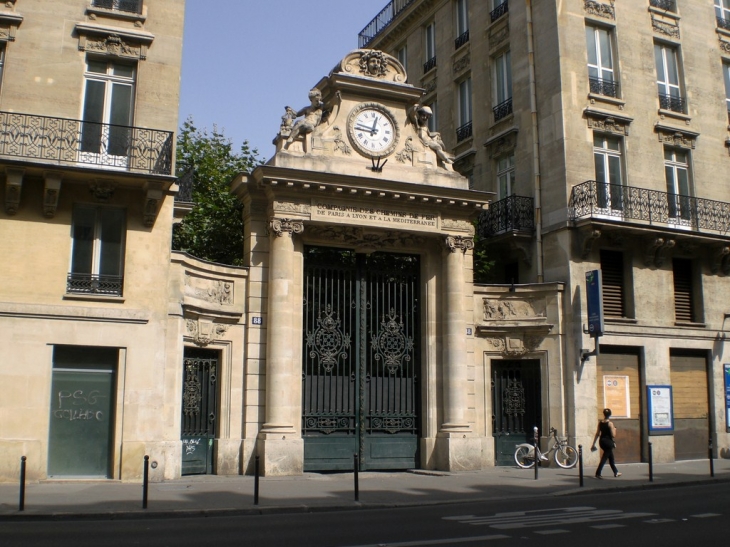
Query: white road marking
[[608, 526], [548, 532], [658, 521], [547, 517], [705, 515], [447, 541]]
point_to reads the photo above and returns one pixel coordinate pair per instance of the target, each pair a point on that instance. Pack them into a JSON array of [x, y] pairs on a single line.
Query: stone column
[[282, 450], [457, 448]]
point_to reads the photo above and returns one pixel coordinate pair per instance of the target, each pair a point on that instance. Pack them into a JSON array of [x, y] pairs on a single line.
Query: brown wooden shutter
[[683, 302], [612, 272]]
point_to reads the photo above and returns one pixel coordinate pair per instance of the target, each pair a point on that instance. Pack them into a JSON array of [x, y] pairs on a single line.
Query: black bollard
[[356, 466], [712, 461], [536, 451], [651, 465], [145, 481], [580, 463], [21, 501], [256, 481]]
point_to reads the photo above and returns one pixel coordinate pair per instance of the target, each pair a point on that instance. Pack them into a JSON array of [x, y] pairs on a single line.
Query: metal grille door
[[199, 403], [360, 363]]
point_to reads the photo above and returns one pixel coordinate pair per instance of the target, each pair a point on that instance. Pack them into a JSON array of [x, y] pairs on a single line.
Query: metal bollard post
[[21, 501], [145, 481], [712, 461], [256, 481], [357, 478], [651, 465], [535, 452], [580, 463]]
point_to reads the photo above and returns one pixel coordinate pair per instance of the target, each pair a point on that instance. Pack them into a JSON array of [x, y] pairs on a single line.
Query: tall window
[[430, 37], [726, 76], [97, 255], [601, 76], [464, 130], [499, 8], [108, 107], [612, 273], [609, 179], [502, 86], [2, 62], [403, 57], [722, 13], [462, 22], [676, 171], [667, 71], [433, 120], [684, 305], [505, 175]]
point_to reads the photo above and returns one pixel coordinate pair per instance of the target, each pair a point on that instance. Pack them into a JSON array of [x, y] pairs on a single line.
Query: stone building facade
[[602, 128]]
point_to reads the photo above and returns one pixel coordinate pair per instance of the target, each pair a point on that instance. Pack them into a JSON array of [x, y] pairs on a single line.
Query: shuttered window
[[683, 301], [612, 272]]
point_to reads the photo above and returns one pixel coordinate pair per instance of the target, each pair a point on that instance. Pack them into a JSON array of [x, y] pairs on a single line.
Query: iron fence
[[499, 11], [108, 285], [66, 141], [672, 102], [592, 199], [502, 110], [428, 65], [381, 20], [723, 23], [667, 5], [609, 88], [511, 214], [461, 40], [464, 132]]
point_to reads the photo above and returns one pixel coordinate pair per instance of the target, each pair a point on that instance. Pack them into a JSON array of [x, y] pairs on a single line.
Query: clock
[[372, 129]]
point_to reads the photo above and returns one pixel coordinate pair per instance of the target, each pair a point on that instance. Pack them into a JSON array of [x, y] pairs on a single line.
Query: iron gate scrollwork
[[360, 360], [199, 410]]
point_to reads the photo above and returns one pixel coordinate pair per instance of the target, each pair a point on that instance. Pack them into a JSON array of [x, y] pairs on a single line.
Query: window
[[667, 70], [666, 5], [462, 23], [464, 130], [684, 305], [433, 119], [107, 111], [502, 86], [601, 77], [403, 57], [499, 8], [129, 6], [609, 179], [430, 36], [722, 13], [612, 273], [726, 76], [2, 62], [505, 176], [97, 255], [676, 171]]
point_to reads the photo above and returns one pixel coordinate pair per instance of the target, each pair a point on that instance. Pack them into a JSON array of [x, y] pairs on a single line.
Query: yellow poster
[[616, 396]]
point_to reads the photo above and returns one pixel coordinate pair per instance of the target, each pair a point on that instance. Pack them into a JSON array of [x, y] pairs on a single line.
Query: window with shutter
[[612, 272], [683, 300]]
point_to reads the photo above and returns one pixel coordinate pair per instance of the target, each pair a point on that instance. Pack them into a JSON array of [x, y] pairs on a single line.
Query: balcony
[[613, 202], [127, 6], [428, 65], [461, 40], [508, 215], [609, 88], [502, 110], [64, 141], [105, 285], [666, 5], [672, 102], [380, 21], [463, 132], [499, 11]]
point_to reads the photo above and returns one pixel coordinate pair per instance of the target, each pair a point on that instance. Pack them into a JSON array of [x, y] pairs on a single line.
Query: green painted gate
[[199, 410], [516, 406], [361, 360]]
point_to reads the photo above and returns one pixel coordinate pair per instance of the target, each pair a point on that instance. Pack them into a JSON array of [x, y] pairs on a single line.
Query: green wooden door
[[361, 360], [199, 410]]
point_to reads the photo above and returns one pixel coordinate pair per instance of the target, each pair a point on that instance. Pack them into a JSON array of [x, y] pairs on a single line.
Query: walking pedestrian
[[606, 432]]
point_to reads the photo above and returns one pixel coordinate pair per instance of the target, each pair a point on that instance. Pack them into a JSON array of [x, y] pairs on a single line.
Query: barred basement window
[[612, 272], [684, 309]]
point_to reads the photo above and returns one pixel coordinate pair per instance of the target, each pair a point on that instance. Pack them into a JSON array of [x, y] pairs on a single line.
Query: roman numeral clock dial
[[372, 129]]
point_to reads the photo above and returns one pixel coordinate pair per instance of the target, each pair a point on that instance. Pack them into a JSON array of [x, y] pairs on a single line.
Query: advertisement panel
[[660, 406]]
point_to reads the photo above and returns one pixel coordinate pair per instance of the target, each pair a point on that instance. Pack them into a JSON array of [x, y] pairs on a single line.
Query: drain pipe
[[535, 144]]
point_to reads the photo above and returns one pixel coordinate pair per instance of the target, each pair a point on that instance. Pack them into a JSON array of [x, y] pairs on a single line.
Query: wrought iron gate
[[516, 406], [361, 360], [199, 410]]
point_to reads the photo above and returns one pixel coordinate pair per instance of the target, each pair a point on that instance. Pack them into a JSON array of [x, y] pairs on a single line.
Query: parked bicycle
[[564, 455]]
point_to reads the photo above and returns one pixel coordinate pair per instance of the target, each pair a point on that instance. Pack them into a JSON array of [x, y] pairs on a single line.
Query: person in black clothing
[[607, 433]]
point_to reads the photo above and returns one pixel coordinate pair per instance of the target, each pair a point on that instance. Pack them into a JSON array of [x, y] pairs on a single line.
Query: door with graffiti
[[199, 410]]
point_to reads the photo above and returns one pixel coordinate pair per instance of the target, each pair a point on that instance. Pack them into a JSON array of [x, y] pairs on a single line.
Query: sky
[[245, 60]]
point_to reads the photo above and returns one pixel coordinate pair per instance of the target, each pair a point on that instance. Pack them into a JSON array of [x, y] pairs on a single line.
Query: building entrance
[[361, 360], [199, 410]]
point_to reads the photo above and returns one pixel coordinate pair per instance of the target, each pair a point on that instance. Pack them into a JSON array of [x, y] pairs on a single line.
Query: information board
[[594, 295], [616, 396], [661, 413], [727, 397]]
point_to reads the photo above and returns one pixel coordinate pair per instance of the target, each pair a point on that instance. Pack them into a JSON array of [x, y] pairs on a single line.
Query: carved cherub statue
[[312, 116], [419, 116]]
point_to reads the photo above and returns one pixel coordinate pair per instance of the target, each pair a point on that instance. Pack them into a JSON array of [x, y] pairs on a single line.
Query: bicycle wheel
[[525, 457], [566, 456]]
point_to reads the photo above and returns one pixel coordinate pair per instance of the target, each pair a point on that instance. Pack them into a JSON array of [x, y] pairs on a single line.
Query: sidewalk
[[219, 495]]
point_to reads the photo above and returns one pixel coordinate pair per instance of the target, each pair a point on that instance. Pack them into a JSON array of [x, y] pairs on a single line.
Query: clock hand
[[368, 129], [375, 124]]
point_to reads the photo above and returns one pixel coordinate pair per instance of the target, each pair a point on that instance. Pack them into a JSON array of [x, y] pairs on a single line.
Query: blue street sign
[[727, 396], [594, 294]]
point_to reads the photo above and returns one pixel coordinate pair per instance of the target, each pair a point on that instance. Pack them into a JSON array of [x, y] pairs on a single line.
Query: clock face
[[372, 129]]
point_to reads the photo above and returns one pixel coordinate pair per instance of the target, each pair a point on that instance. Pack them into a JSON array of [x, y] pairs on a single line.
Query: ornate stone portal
[[358, 169]]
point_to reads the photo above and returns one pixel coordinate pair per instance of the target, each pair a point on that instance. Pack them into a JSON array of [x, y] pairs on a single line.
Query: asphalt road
[[663, 517]]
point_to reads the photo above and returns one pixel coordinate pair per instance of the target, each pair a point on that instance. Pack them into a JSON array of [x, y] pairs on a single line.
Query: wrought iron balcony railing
[[499, 11], [461, 40], [75, 142], [671, 102], [463, 132], [127, 6], [428, 65], [668, 5], [723, 23], [185, 187], [108, 285], [609, 88], [592, 199], [381, 20], [502, 110], [511, 214]]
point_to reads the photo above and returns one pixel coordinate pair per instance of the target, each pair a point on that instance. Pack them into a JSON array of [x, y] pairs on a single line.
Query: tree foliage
[[213, 230]]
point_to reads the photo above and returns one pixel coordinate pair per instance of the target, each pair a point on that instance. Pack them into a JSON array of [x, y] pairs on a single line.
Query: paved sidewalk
[[219, 495]]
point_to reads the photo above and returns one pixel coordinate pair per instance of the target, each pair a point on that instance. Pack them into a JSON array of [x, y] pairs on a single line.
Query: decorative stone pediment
[[607, 11], [461, 64], [102, 189], [515, 345], [203, 331], [9, 23], [675, 136], [656, 250], [498, 35], [503, 143], [113, 41], [371, 63], [364, 240], [514, 324], [668, 27], [607, 122]]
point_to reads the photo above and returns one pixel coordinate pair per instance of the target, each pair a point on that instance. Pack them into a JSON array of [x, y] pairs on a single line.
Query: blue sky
[[245, 60]]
